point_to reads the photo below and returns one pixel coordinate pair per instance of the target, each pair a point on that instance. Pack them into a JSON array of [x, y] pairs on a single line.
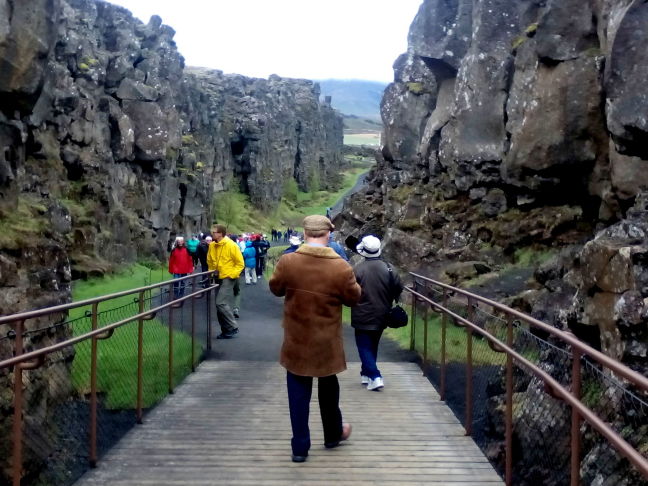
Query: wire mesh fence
[[470, 372], [56, 400]]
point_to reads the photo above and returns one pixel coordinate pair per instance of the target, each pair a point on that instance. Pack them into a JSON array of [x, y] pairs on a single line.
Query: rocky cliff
[[107, 140], [517, 126], [109, 147]]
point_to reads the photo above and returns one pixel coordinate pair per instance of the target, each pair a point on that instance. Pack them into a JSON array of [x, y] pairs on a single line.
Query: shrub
[[290, 190]]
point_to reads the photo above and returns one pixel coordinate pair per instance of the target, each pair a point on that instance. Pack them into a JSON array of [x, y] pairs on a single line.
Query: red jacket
[[180, 260]]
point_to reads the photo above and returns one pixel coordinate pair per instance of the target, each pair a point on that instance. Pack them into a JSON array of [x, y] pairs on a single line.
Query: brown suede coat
[[316, 282]]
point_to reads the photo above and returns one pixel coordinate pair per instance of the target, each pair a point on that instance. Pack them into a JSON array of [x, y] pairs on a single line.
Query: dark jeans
[[299, 394], [367, 343], [260, 265], [179, 287]]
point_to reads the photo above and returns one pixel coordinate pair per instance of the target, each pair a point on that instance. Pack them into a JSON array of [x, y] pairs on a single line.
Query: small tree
[[290, 190], [227, 207], [314, 183]]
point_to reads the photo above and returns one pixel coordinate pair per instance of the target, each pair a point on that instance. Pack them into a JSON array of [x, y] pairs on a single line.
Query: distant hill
[[354, 97]]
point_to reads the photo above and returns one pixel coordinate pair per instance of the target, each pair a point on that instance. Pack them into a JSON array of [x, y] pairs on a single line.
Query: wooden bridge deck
[[228, 424]]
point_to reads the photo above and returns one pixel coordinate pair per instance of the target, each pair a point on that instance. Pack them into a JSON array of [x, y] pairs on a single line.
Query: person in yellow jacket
[[225, 256]]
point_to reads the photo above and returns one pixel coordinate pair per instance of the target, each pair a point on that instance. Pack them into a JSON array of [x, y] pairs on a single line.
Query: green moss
[[531, 29], [518, 41], [24, 224], [83, 66], [188, 140], [416, 88], [409, 224], [593, 52], [401, 193]]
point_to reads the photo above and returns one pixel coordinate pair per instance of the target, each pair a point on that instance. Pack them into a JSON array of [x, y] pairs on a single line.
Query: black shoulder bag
[[396, 317]]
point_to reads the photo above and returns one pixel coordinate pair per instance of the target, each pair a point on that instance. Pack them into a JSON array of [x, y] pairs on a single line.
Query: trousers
[[300, 389]]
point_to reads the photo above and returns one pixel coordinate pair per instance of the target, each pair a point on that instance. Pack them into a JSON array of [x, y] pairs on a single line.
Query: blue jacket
[[338, 249], [249, 255]]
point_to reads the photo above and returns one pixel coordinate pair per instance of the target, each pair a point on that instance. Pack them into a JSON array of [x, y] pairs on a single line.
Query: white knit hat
[[369, 247], [294, 240]]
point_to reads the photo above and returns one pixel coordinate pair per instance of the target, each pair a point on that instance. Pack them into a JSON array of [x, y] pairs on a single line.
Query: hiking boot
[[376, 384]]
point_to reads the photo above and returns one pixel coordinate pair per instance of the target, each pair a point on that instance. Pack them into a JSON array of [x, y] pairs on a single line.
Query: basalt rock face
[[516, 125], [109, 147], [108, 140], [511, 124]]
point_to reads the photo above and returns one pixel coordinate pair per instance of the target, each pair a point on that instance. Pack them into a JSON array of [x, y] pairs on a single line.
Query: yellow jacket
[[226, 257]]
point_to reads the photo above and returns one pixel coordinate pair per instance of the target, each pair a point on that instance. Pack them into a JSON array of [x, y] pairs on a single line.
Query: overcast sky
[[314, 39]]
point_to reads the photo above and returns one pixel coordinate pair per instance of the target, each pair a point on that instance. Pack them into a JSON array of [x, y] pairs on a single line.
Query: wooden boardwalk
[[228, 424]]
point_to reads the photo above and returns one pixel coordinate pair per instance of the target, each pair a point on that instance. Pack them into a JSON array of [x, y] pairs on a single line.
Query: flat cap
[[316, 222]]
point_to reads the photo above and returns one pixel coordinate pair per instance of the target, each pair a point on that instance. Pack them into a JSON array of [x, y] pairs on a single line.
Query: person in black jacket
[[381, 285], [201, 253]]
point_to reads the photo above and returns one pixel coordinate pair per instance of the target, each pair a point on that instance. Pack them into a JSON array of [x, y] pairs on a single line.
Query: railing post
[[508, 417], [469, 371], [209, 326], [575, 418], [171, 341], [140, 359], [17, 429], [193, 325], [425, 332], [444, 321], [93, 388], [413, 326]]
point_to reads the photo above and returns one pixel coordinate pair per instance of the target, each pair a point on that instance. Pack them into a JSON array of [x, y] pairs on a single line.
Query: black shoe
[[236, 313], [225, 335], [298, 458], [234, 331]]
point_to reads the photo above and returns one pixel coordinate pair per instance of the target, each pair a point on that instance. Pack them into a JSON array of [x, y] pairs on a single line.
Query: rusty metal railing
[[22, 360], [560, 382]]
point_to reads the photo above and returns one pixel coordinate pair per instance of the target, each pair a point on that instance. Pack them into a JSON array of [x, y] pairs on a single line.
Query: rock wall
[[512, 124], [108, 140], [521, 125], [109, 147]]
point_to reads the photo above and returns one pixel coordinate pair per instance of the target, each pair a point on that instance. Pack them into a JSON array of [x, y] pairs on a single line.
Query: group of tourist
[[277, 235], [316, 280]]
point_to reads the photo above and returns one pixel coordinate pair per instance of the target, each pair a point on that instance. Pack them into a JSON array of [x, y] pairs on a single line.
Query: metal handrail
[[31, 360], [95, 300], [629, 374], [572, 398]]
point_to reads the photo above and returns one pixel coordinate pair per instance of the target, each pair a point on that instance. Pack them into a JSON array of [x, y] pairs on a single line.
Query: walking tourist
[[180, 265], [201, 252], [294, 241], [249, 256], [316, 282], [263, 245], [192, 246], [381, 285], [225, 257]]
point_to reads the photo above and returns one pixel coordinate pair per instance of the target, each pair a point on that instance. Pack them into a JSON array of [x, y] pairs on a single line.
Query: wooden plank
[[229, 424]]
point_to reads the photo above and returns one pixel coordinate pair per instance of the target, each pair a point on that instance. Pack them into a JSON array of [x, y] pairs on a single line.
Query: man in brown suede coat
[[316, 282]]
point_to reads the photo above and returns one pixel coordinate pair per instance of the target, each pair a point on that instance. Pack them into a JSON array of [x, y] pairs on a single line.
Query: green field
[[242, 216], [362, 139]]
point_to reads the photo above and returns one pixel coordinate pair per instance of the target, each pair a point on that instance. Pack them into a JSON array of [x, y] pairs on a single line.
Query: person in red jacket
[[180, 265]]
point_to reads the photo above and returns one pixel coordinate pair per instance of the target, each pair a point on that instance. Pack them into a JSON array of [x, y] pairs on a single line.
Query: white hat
[[294, 240], [369, 247]]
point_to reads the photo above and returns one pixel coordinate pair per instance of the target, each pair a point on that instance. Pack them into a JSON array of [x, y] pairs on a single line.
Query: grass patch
[[117, 356], [22, 225], [248, 217]]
